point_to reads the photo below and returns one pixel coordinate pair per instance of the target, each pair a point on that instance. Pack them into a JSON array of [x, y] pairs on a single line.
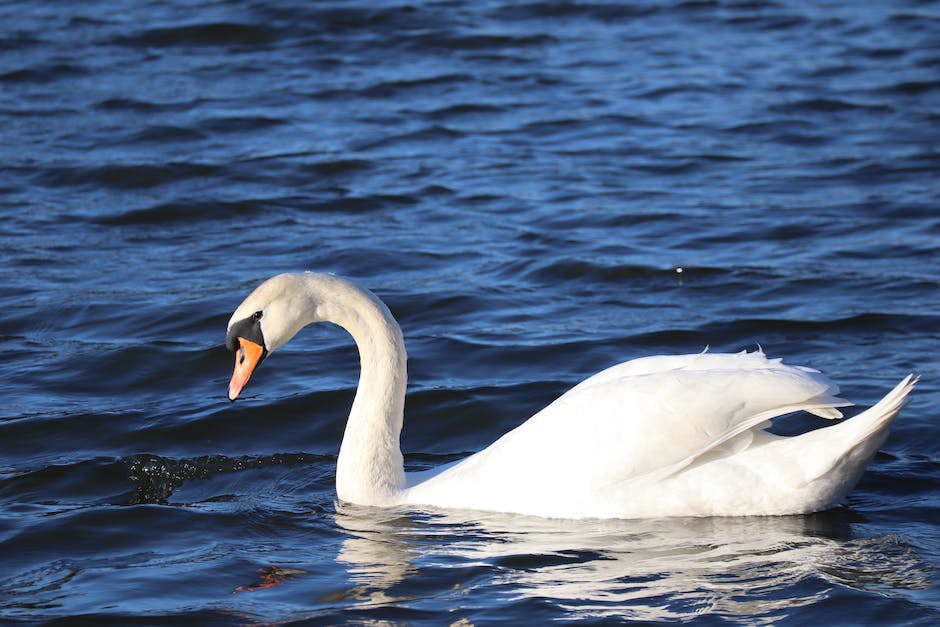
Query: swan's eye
[[257, 315]]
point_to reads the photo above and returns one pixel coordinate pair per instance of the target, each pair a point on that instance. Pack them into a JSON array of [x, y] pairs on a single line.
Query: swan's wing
[[636, 419], [715, 361], [643, 419]]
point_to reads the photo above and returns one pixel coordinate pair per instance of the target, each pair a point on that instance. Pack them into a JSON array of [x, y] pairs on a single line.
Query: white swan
[[657, 436]]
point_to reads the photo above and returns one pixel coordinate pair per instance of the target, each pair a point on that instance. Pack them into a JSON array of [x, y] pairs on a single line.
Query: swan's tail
[[858, 438], [877, 419]]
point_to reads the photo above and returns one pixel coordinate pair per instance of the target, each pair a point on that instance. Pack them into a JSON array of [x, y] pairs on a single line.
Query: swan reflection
[[752, 569]]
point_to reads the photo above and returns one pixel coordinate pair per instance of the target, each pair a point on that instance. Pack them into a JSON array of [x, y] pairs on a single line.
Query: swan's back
[[626, 441]]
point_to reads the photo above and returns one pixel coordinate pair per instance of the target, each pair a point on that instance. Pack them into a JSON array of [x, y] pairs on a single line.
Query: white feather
[[657, 436]]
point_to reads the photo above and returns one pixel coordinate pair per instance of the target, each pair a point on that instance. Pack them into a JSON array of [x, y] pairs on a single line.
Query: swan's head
[[266, 320]]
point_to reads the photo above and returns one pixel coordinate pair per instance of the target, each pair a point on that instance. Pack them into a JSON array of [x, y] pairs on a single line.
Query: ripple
[[202, 34], [182, 212], [826, 105], [38, 589], [143, 106], [238, 123], [521, 182], [129, 176], [43, 73], [431, 135], [166, 134], [155, 477]]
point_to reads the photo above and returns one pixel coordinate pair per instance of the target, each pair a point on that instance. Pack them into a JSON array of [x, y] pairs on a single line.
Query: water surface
[[538, 190]]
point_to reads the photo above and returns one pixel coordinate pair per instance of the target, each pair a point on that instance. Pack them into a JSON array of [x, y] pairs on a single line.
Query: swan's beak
[[247, 358]]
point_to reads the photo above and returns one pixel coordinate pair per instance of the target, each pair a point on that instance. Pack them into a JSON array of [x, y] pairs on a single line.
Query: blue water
[[538, 190]]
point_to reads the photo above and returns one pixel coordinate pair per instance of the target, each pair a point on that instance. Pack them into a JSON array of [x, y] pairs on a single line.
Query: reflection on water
[[751, 569], [378, 554]]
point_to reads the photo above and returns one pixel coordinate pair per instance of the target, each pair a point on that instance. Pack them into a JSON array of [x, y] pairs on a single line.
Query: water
[[522, 183]]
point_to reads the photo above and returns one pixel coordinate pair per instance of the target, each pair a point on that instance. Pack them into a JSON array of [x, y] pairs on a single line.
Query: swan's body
[[657, 436]]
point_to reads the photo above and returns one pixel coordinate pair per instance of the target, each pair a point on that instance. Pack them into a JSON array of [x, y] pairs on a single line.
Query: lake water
[[538, 190]]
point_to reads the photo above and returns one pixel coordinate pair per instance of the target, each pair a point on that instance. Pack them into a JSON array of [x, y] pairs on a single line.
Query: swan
[[657, 436]]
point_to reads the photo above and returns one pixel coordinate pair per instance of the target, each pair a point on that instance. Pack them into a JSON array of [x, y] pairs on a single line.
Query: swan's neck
[[370, 470]]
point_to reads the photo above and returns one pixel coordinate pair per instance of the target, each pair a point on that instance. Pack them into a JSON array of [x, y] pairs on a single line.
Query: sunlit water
[[538, 190]]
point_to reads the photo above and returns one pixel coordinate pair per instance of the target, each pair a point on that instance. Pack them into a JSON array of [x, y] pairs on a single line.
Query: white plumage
[[656, 436]]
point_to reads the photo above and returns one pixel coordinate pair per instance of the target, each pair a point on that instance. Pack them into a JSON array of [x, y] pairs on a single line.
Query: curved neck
[[370, 469]]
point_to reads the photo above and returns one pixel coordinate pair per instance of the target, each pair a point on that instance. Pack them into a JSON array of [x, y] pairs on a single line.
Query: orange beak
[[247, 358]]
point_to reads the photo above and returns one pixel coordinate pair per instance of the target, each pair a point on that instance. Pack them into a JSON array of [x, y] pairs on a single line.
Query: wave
[[156, 477], [201, 34], [127, 176], [182, 212], [43, 73]]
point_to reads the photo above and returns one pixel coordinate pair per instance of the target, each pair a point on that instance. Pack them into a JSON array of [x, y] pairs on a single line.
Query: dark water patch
[[421, 309], [123, 103], [769, 18], [168, 213], [564, 127], [606, 13], [673, 340], [870, 325], [159, 134], [39, 433], [802, 139], [356, 205], [457, 420], [414, 86], [669, 167], [19, 40], [913, 88], [731, 336], [911, 479], [833, 71], [526, 562], [160, 363], [206, 618], [697, 5], [333, 167], [348, 22], [719, 158], [202, 34], [478, 42], [79, 21], [98, 536], [928, 156], [43, 74], [662, 92], [120, 176], [462, 110], [885, 52], [828, 105], [771, 128], [38, 589], [432, 135], [647, 218], [929, 62], [588, 272], [278, 410], [437, 191], [915, 20], [235, 124], [65, 484], [876, 172]]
